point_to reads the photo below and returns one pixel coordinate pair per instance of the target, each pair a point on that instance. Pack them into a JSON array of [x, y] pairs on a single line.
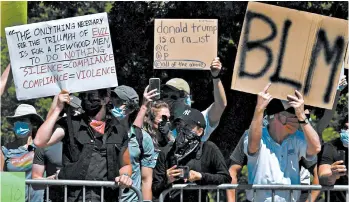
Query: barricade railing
[[79, 183], [255, 187]]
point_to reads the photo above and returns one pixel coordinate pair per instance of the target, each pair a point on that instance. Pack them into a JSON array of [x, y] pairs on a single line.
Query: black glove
[[164, 127]]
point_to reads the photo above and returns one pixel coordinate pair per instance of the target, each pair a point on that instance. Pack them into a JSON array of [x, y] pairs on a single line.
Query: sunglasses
[[284, 119]]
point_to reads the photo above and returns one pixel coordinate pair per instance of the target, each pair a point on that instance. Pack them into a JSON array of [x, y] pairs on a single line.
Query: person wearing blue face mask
[[177, 91], [333, 164], [18, 155]]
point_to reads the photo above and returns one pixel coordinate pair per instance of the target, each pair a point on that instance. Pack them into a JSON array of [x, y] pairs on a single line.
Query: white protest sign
[[75, 54]]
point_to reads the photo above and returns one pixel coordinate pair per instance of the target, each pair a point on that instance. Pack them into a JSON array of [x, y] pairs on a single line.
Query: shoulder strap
[[139, 137], [199, 153]]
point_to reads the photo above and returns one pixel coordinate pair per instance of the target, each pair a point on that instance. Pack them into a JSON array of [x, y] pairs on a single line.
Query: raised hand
[[263, 98], [216, 67], [297, 102], [148, 96]]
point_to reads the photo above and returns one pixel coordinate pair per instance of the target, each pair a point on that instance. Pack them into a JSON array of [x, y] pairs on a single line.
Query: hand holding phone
[[154, 83]]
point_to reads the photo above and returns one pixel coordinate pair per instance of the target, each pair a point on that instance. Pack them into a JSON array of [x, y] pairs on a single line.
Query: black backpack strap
[[139, 137], [199, 153]]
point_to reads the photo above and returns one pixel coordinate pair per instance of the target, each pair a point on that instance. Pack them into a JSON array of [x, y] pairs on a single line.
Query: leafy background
[[131, 25]]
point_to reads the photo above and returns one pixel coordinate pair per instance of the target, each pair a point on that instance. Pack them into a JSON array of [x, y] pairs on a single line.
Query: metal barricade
[[256, 187], [82, 183]]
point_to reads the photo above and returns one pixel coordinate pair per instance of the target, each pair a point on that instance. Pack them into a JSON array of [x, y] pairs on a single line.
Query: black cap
[[275, 106], [188, 115]]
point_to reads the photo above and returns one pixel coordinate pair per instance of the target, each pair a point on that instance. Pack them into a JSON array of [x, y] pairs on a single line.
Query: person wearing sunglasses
[[274, 151], [18, 155]]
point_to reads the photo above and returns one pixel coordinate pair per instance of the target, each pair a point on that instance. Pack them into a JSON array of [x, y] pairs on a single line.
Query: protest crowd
[[158, 140]]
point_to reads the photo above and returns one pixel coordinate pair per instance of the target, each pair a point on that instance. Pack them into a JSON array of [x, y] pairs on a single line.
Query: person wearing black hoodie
[[205, 162]]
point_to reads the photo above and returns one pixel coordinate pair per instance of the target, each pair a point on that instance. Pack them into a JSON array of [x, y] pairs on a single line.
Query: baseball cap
[[179, 84], [127, 94], [275, 106], [188, 114]]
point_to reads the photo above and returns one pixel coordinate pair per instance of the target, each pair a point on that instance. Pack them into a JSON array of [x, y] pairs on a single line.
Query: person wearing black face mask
[[93, 142], [205, 163]]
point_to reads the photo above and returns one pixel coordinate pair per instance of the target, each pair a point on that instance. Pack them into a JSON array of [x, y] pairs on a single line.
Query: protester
[[333, 164], [96, 142], [177, 90], [47, 161], [143, 159], [17, 156], [205, 163], [273, 152], [157, 123], [238, 160]]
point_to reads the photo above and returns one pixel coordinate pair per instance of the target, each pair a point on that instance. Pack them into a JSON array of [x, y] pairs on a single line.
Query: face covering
[[344, 137], [98, 126], [21, 129], [91, 103], [187, 101], [118, 112], [186, 142]]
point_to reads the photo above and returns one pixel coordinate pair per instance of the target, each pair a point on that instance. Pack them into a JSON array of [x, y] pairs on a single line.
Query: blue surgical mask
[[118, 112], [21, 129], [187, 101], [344, 137], [174, 133]]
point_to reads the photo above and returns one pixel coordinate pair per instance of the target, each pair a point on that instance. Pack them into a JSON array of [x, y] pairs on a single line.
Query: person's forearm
[[328, 114], [140, 116], [255, 133], [127, 169], [315, 193], [231, 192], [4, 78], [220, 98], [312, 138], [146, 188], [45, 131]]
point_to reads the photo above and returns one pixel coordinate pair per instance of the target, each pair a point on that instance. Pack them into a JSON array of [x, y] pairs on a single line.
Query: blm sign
[[292, 50]]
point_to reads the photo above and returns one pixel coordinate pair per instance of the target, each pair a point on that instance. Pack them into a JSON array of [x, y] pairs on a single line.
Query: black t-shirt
[[330, 154], [238, 156], [51, 158]]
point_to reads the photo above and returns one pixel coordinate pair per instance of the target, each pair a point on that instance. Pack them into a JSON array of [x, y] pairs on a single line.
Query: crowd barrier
[[83, 183], [273, 188]]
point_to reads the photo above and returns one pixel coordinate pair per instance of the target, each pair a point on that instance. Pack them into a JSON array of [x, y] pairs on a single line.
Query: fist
[[216, 67], [124, 181]]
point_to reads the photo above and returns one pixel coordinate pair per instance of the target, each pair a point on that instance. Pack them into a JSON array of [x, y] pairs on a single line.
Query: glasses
[[286, 118]]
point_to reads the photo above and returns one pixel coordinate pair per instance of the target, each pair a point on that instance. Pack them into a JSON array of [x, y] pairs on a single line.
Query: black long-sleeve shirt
[[210, 164]]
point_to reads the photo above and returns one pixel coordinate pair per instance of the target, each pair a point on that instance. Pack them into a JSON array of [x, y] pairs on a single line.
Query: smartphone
[[154, 83], [341, 155], [184, 172]]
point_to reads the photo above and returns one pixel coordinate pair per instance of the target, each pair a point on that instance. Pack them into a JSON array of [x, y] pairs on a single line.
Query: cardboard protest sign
[[75, 54], [185, 43], [346, 59], [292, 50], [12, 186]]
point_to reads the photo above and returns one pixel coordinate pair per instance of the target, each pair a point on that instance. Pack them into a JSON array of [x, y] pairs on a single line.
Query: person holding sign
[[95, 143], [214, 112], [274, 151], [17, 156]]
